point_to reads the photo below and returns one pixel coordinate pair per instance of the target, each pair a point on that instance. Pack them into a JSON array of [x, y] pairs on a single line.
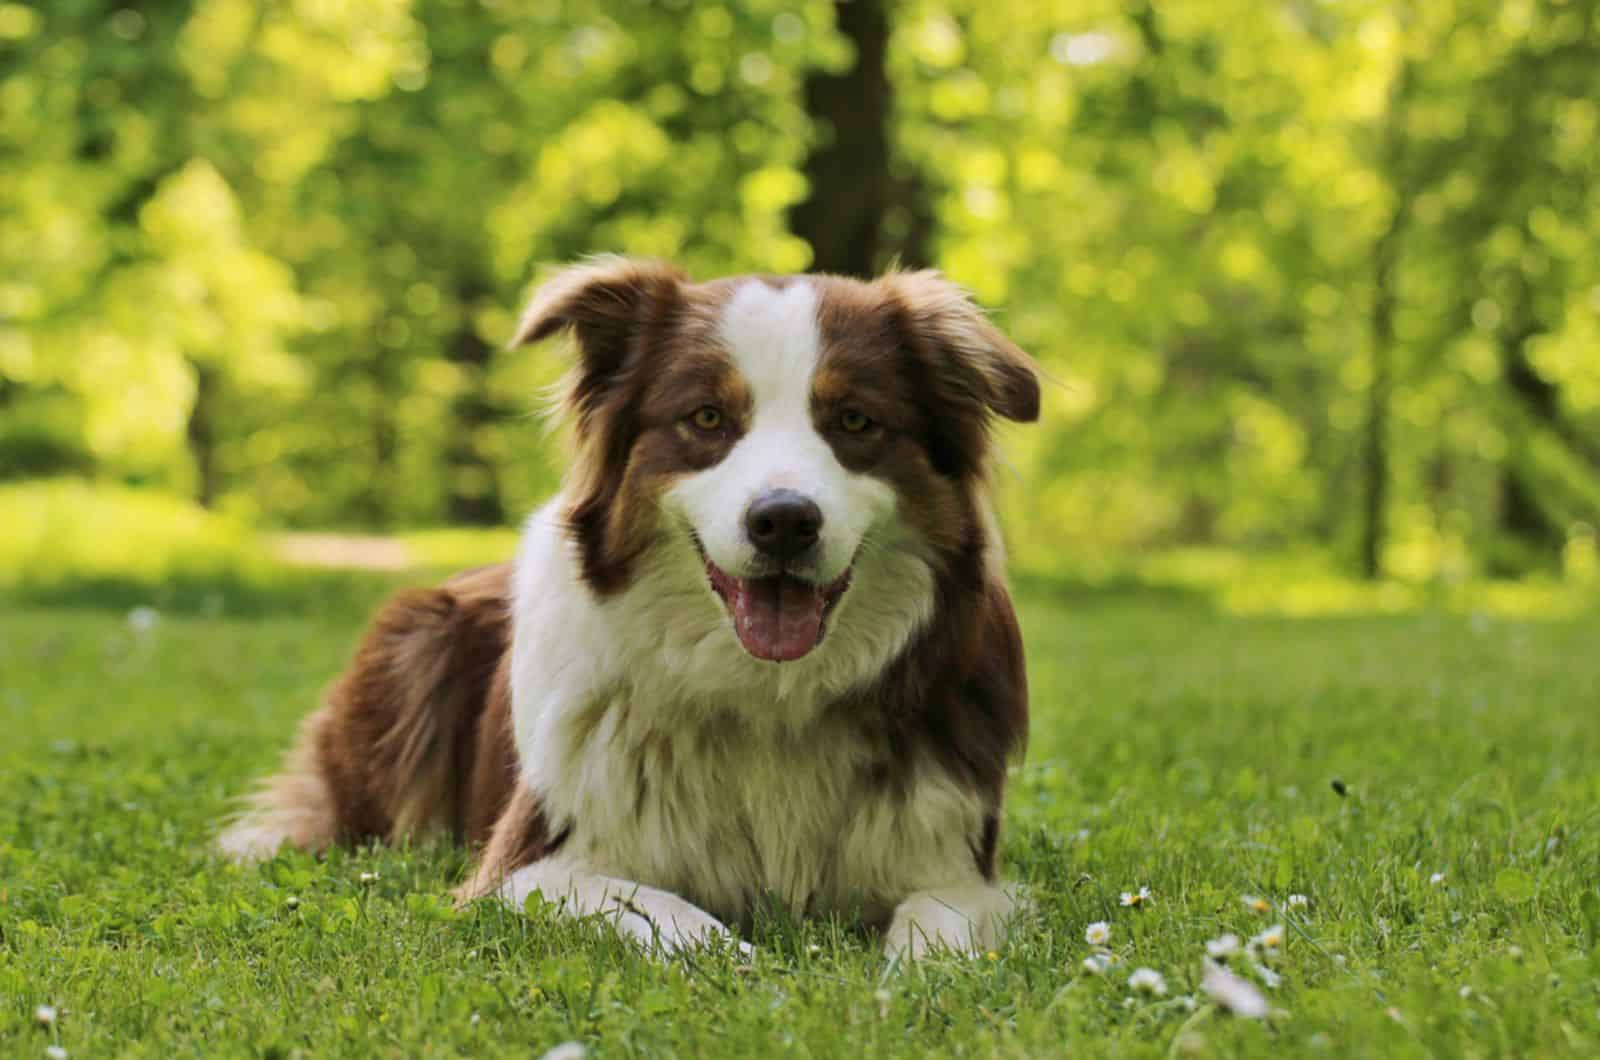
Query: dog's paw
[[659, 921], [664, 923], [961, 920]]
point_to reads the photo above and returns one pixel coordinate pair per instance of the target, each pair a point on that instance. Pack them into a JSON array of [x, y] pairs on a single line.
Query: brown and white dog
[[759, 645]]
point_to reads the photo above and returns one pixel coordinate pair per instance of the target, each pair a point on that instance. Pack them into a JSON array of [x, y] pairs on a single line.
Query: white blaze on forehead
[[773, 337]]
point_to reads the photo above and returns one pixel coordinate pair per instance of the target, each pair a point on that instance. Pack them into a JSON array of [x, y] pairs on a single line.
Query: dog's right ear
[[609, 303]]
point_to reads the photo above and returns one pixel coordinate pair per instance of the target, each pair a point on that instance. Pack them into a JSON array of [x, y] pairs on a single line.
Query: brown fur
[[413, 738]]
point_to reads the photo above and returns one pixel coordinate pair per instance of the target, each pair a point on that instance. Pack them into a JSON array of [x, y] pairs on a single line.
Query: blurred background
[[1317, 281]]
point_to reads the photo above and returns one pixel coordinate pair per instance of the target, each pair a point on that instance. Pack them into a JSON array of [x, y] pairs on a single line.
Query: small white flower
[[1465, 992], [1514, 952], [45, 1015], [1269, 978], [1128, 1002], [292, 902], [1234, 993], [1097, 963], [55, 1052], [1139, 897], [142, 620], [1147, 981], [1097, 933], [369, 877], [1269, 941], [1436, 879], [1255, 904], [1187, 1002], [1298, 901], [566, 1051], [1223, 946]]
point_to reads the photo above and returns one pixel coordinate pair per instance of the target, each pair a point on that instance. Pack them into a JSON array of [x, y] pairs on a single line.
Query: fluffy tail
[[391, 754]]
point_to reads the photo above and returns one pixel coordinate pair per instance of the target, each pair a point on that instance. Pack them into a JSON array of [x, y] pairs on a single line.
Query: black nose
[[782, 523]]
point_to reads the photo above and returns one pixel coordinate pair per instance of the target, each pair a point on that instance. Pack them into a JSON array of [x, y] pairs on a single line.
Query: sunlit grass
[[1425, 780], [1307, 583]]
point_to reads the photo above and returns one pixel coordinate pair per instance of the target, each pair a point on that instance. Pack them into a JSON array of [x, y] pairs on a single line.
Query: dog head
[[799, 439]]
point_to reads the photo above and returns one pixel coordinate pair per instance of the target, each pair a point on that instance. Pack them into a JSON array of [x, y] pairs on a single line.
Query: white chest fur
[[723, 815], [682, 764]]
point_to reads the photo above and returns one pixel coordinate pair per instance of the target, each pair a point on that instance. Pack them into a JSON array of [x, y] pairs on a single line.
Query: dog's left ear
[[971, 360], [611, 304]]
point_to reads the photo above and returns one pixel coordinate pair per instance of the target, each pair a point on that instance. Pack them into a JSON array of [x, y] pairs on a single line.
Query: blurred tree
[[864, 207], [1312, 273]]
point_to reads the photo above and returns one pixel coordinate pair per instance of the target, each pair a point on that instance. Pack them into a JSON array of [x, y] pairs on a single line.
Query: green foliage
[[1206, 777], [59, 531], [1312, 271]]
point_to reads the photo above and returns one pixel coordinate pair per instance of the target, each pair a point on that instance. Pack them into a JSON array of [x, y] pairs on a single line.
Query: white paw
[[657, 920], [661, 921], [962, 920]]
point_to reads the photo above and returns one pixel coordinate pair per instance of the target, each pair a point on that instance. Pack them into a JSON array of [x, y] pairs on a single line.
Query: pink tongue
[[777, 618]]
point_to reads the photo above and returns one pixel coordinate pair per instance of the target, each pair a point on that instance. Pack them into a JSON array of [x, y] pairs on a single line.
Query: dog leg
[[657, 920], [967, 920]]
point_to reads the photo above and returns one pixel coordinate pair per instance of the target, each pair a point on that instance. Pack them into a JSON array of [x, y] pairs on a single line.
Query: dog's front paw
[[664, 923], [961, 920]]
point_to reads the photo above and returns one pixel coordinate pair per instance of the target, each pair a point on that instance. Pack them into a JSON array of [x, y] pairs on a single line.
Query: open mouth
[[778, 617]]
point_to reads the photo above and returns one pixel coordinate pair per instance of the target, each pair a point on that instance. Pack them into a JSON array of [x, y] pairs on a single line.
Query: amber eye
[[707, 417], [853, 421]]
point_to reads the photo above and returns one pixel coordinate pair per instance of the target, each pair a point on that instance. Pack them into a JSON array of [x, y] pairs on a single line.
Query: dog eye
[[853, 421], [706, 417]]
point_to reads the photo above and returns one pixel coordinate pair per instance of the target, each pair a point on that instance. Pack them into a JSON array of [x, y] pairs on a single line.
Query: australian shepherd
[[758, 648]]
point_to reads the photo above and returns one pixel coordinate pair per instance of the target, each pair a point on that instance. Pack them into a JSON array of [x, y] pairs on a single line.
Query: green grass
[[1174, 746]]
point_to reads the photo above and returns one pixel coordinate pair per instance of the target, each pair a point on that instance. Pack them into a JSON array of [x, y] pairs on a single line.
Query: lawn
[[1427, 781]]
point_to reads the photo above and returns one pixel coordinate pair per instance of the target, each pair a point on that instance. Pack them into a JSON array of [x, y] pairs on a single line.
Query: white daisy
[[45, 1015], [1436, 879], [1269, 941], [55, 1052], [1147, 981], [566, 1051], [1136, 897], [1269, 978], [1255, 904], [1097, 933], [1238, 995], [369, 877], [1223, 946], [1298, 901], [1097, 963]]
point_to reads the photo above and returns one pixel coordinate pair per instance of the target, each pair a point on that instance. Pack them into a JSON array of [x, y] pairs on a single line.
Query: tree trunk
[[472, 491], [1535, 534], [201, 432], [1376, 457], [852, 185]]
